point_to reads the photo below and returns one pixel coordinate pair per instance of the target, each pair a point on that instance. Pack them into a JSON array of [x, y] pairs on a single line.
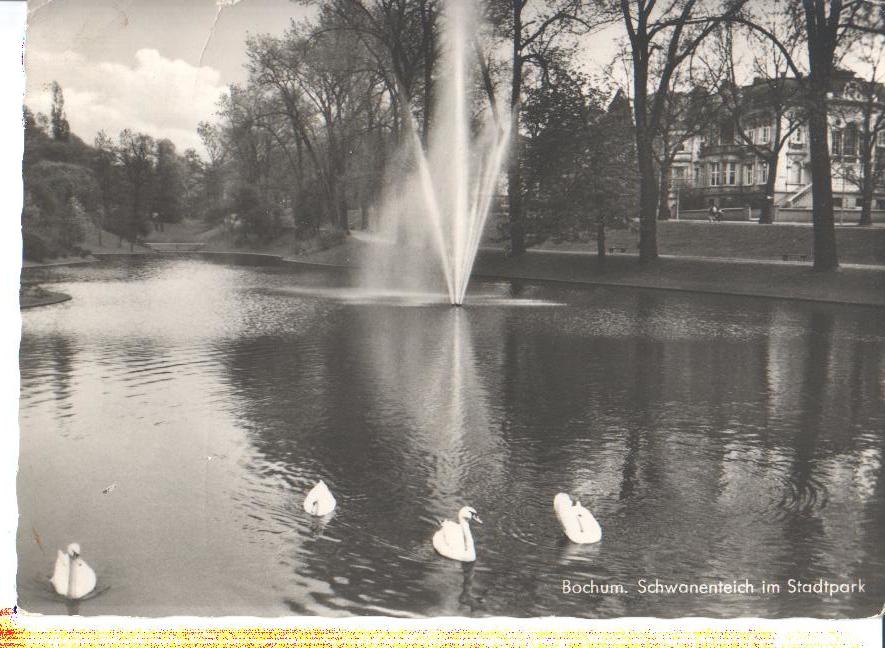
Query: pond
[[716, 439]]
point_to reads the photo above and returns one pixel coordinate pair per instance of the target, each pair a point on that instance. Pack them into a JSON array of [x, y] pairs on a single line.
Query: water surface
[[715, 438]]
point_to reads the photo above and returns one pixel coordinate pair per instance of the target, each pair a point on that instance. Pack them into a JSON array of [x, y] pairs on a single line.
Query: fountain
[[439, 206]]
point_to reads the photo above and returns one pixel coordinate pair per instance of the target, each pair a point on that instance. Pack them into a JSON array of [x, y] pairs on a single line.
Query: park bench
[[795, 257]]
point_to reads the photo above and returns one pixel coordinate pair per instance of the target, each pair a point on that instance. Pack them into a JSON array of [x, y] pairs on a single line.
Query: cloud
[[162, 97]]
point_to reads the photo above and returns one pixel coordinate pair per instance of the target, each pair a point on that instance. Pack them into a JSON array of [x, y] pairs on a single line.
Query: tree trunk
[[339, 205], [767, 215], [600, 239], [664, 194], [515, 206], [648, 184], [825, 254], [866, 200], [514, 172], [648, 200], [429, 63], [343, 223]]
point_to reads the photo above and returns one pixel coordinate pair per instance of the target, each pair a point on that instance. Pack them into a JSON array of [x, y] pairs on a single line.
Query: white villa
[[721, 168]]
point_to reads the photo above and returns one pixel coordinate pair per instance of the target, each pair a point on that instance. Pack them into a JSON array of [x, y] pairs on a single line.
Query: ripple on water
[[216, 396]]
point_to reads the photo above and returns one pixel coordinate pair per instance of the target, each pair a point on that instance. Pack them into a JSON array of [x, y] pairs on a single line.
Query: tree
[[401, 39], [827, 27], [254, 213], [557, 120], [864, 112], [675, 29], [106, 174], [59, 196], [136, 154], [823, 32], [169, 184], [60, 129], [578, 158], [773, 101], [317, 80], [533, 29], [211, 174], [690, 109]]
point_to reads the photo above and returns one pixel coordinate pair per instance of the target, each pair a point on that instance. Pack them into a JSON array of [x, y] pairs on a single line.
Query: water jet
[[442, 203]]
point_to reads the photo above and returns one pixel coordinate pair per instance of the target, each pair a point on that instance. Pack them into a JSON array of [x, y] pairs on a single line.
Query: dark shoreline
[[46, 298]]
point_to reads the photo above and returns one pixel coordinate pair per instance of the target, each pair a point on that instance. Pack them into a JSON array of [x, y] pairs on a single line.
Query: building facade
[[725, 168]]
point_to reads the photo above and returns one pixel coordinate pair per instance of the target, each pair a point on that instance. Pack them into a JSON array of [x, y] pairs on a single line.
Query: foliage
[[58, 197], [577, 160], [169, 183], [61, 130], [112, 185], [255, 218]]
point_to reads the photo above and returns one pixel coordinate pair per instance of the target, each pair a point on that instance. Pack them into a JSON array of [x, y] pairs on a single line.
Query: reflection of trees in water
[[385, 404], [47, 362], [827, 524], [824, 406], [692, 440], [805, 492], [717, 428]]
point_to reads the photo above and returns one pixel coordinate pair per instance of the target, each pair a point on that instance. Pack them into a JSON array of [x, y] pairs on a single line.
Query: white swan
[[578, 523], [319, 500], [72, 577], [454, 540]]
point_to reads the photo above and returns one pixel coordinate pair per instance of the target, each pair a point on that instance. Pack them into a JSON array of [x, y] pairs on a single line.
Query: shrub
[[259, 218], [34, 248]]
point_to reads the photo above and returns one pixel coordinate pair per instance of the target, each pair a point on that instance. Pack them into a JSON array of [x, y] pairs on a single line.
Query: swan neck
[[71, 577], [465, 532]]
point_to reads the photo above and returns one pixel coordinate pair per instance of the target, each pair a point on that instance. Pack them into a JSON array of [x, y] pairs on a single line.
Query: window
[[765, 135], [880, 203], [750, 136], [837, 202], [881, 142], [748, 173], [796, 172], [715, 174], [762, 170], [836, 142], [731, 176], [798, 136], [849, 141], [697, 175]]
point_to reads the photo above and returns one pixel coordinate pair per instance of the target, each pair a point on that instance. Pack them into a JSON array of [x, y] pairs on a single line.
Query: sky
[[136, 63]]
